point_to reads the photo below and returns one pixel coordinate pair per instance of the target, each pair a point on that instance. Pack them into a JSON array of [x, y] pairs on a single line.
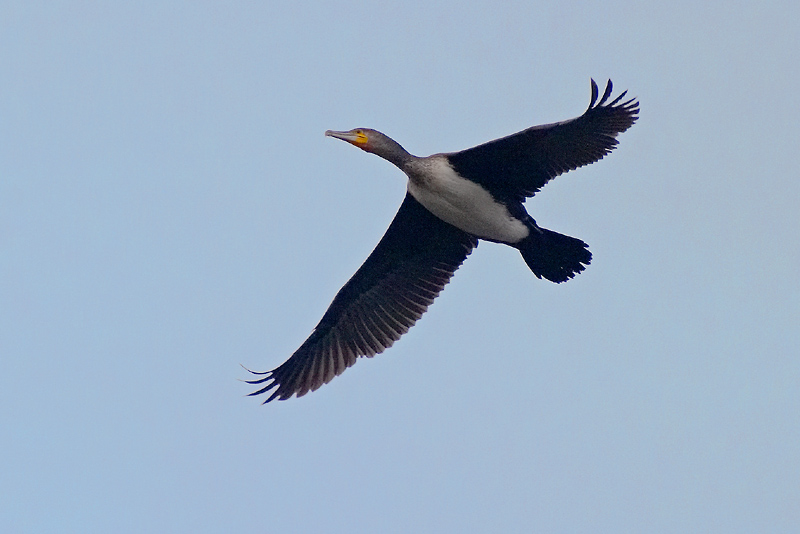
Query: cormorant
[[453, 201]]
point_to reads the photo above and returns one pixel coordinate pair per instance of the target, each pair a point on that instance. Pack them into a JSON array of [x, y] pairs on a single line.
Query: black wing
[[390, 291], [517, 166]]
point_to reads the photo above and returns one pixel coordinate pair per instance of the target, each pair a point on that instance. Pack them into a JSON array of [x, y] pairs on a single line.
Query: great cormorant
[[453, 201]]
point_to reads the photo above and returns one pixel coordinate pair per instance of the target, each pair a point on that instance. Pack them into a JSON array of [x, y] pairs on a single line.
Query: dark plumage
[[453, 200]]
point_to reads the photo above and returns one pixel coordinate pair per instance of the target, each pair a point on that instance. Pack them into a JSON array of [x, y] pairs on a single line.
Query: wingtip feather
[[595, 92], [606, 93]]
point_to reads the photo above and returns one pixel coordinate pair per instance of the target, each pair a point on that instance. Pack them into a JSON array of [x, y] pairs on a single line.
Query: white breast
[[461, 202]]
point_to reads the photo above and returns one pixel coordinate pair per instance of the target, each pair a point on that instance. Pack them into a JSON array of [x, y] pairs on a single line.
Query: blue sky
[[170, 209]]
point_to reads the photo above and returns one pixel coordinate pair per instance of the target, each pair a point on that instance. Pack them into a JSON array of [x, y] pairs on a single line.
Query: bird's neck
[[393, 152], [402, 161]]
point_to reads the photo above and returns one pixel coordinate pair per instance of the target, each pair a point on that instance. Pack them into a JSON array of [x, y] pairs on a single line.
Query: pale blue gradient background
[[170, 209]]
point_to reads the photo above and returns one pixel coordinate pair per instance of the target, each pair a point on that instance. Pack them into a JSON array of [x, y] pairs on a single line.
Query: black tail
[[554, 256]]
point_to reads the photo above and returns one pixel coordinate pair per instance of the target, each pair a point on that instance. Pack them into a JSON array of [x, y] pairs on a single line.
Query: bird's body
[[461, 202], [453, 200]]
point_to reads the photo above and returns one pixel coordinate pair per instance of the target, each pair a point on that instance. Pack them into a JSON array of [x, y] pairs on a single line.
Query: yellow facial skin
[[360, 138]]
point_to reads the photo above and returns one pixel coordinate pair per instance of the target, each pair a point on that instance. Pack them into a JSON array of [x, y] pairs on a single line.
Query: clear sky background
[[170, 209]]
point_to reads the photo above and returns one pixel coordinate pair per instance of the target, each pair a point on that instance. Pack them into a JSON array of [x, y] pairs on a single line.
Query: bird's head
[[373, 141]]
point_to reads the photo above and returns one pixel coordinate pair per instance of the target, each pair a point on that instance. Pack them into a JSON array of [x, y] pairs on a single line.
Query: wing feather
[[518, 166], [408, 269]]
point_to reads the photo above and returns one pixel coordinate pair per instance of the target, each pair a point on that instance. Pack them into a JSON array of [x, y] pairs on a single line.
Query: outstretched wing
[[412, 263], [517, 166]]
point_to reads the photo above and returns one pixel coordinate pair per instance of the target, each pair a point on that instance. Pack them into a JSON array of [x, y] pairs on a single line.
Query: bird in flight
[[453, 201]]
